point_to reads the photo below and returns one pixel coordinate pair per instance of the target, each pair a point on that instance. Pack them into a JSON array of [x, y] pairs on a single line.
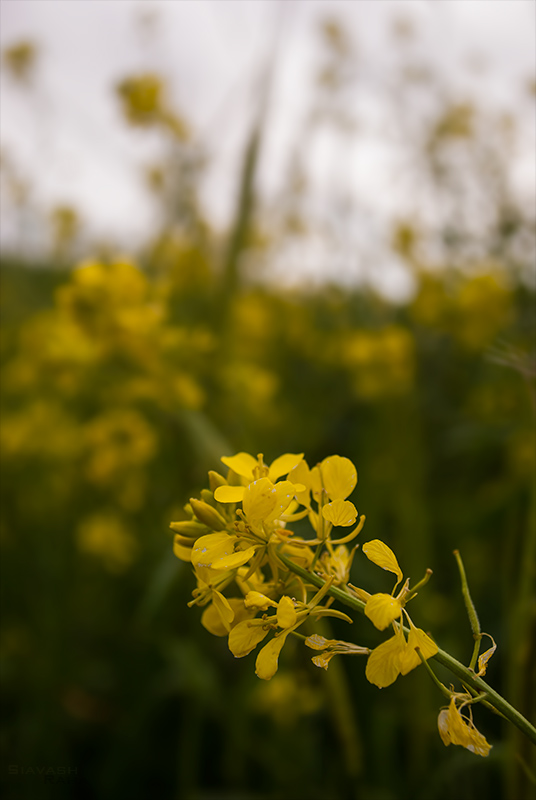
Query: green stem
[[466, 675], [471, 610]]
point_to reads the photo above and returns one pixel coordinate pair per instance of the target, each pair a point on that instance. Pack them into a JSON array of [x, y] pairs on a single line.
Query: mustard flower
[[395, 656], [290, 614], [455, 728]]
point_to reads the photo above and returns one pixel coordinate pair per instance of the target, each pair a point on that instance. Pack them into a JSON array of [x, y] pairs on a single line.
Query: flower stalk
[[465, 674]]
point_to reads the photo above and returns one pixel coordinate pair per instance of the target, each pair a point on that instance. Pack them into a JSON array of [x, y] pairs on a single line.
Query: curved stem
[[466, 675]]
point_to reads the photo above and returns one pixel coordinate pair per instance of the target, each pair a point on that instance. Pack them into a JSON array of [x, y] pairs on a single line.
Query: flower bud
[[189, 528], [208, 497], [207, 515], [215, 480]]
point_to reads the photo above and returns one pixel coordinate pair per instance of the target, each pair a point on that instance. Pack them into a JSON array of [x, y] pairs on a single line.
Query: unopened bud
[[215, 480], [208, 497], [207, 515], [190, 528]]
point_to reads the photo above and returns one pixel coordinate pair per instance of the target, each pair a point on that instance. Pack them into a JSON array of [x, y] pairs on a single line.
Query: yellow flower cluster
[[237, 538]]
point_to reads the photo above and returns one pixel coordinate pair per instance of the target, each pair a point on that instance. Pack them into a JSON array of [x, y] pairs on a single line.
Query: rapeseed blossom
[[258, 580]]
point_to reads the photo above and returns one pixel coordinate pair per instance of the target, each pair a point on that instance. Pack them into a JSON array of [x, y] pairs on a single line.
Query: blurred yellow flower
[[105, 535]]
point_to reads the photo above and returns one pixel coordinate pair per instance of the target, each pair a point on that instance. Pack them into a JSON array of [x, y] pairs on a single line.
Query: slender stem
[[466, 675], [471, 610]]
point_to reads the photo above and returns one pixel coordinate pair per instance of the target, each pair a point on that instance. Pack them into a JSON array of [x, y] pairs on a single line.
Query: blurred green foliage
[[124, 381]]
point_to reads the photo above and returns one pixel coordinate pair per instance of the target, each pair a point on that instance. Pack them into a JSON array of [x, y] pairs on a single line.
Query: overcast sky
[[73, 143]]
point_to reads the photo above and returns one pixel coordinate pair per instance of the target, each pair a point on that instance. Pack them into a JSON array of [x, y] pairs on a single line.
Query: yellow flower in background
[[106, 536], [455, 728]]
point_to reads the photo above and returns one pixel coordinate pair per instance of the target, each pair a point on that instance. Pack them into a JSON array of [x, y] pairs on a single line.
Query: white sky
[[72, 141]]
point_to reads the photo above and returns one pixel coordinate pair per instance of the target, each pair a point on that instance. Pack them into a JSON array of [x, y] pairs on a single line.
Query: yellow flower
[[246, 635], [263, 500], [221, 612], [396, 656], [382, 609], [290, 614], [454, 728], [252, 468]]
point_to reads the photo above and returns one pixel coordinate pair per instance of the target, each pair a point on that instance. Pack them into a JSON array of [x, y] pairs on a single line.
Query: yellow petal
[[457, 729], [383, 665], [244, 637], [316, 483], [258, 600], [229, 494], [300, 474], [259, 499], [383, 556], [317, 642], [340, 512], [184, 553], [217, 551], [484, 658], [268, 658], [211, 620], [204, 576], [286, 613], [382, 609], [234, 560], [284, 494], [478, 744], [322, 660], [339, 477], [462, 731], [223, 608], [283, 465], [410, 658], [243, 464], [443, 726]]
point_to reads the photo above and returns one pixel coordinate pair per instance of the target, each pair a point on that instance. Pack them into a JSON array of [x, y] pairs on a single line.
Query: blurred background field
[[341, 261]]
